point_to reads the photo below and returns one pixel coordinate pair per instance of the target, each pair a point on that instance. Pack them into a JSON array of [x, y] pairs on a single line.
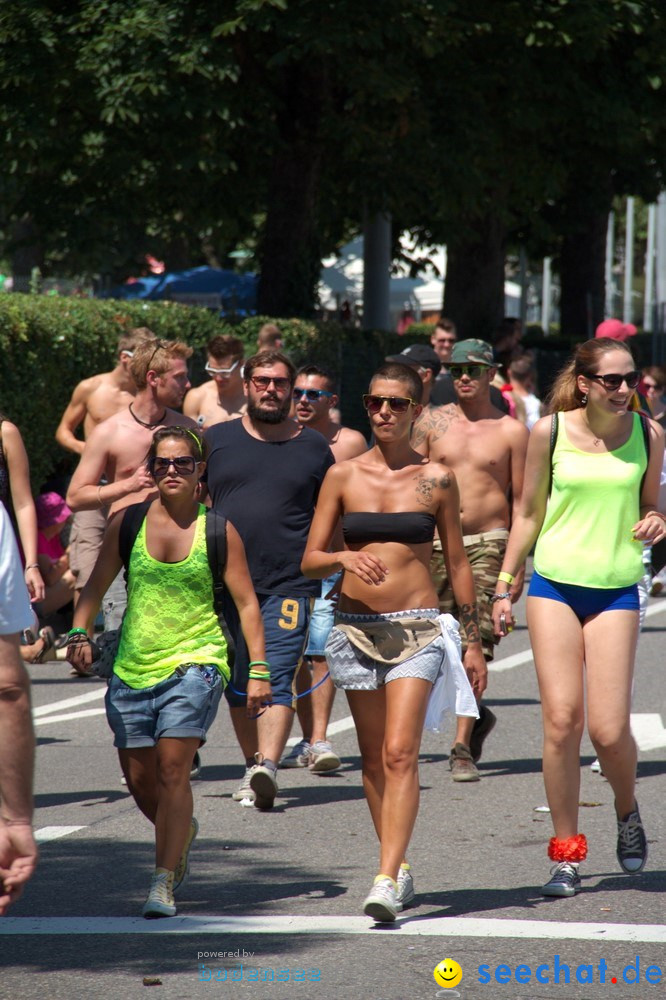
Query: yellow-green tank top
[[586, 535], [170, 618]]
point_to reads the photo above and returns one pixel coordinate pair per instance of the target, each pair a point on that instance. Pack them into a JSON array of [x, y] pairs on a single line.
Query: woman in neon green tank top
[[582, 606], [171, 665]]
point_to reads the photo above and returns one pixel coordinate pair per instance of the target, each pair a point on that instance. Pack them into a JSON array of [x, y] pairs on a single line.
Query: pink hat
[[51, 509], [616, 330]]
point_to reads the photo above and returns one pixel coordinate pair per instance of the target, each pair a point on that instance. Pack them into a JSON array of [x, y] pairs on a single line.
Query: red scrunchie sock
[[569, 849]]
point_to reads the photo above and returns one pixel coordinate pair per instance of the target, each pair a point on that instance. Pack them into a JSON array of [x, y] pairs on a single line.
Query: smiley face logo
[[448, 973]]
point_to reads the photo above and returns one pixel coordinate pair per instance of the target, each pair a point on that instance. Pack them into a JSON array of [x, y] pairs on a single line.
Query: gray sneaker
[[461, 764], [298, 756], [244, 790], [405, 895], [263, 783], [323, 757]]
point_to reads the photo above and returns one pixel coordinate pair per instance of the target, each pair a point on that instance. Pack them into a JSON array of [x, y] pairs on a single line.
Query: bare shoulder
[[656, 431], [438, 474], [515, 431], [350, 444], [88, 386]]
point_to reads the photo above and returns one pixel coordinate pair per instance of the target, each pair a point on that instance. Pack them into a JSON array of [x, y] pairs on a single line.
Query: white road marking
[[450, 927], [648, 730], [69, 715], [55, 832], [80, 699]]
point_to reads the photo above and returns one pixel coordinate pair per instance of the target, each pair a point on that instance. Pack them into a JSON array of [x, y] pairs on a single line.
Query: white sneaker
[[405, 895], [244, 790], [298, 756], [160, 902], [382, 903], [263, 783], [323, 757], [595, 767]]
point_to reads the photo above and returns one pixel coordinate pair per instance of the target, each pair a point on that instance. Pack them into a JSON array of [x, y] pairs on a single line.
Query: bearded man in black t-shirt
[[264, 474]]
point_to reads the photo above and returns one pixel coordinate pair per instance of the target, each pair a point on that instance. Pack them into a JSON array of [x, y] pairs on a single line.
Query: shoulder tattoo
[[426, 485]]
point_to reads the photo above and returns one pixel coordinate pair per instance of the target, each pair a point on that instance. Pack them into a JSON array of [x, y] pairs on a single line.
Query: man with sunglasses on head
[[222, 397], [117, 448], [264, 474], [314, 398], [486, 450]]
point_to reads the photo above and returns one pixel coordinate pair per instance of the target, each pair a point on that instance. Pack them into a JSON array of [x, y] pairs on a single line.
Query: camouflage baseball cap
[[472, 351]]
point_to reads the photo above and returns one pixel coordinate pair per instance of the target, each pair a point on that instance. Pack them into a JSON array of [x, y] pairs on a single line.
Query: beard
[[260, 415]]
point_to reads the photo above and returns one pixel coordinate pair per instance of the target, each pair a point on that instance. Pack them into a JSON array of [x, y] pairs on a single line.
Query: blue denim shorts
[[181, 707], [286, 631], [321, 619]]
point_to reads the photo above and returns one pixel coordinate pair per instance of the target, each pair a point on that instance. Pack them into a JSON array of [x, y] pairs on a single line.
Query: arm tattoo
[[469, 619], [425, 487]]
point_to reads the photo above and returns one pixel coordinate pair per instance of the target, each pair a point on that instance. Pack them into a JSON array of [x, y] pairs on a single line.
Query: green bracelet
[[256, 675], [78, 631], [258, 663]]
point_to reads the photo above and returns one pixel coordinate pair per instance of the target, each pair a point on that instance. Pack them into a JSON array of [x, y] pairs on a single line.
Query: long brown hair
[[565, 394]]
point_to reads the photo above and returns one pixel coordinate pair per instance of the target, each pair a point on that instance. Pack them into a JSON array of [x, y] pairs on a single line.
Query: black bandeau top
[[409, 526]]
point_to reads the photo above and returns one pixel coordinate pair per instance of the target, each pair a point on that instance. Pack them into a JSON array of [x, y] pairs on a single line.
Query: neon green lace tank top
[[170, 618], [586, 536]]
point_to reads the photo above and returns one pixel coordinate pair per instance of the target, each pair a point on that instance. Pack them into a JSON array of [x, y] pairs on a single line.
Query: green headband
[[197, 439]]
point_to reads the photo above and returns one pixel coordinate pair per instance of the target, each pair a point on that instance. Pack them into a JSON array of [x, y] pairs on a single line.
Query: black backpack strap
[[553, 442], [133, 518], [216, 547]]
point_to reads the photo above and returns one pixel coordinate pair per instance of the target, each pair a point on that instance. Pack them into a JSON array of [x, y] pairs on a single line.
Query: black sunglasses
[[397, 404], [262, 382], [613, 382], [184, 465], [312, 395], [472, 371]]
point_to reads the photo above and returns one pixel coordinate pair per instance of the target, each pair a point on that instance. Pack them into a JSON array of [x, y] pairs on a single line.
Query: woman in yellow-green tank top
[[172, 660], [589, 503]]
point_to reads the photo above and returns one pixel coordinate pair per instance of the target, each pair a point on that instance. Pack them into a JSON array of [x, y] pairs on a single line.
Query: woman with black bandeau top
[[387, 646]]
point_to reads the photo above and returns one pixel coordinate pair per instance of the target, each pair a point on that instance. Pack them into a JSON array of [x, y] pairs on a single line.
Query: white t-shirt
[[15, 611]]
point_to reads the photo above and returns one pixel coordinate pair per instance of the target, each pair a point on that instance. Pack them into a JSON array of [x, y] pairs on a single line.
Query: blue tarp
[[205, 286]]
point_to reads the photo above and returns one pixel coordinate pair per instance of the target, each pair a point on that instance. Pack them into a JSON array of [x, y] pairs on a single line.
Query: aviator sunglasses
[[397, 404], [472, 371], [613, 382], [312, 395], [183, 465]]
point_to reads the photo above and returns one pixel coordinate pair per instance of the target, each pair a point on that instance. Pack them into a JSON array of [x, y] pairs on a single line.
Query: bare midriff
[[407, 585]]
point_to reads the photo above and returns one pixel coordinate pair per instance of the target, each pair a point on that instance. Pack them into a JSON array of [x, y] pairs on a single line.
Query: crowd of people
[[238, 539]]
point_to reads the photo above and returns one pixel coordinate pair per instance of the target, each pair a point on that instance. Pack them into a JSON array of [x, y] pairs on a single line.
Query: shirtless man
[[314, 398], [486, 450], [94, 400], [222, 397], [118, 446]]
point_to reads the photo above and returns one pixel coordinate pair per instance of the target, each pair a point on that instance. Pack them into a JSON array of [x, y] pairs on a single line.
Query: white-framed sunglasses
[[221, 371]]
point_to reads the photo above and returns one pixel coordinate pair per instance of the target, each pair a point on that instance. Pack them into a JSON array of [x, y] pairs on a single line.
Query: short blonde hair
[[156, 356]]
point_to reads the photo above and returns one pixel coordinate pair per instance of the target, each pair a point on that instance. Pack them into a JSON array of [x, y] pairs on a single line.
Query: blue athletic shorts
[[286, 631], [321, 619], [585, 601], [182, 706]]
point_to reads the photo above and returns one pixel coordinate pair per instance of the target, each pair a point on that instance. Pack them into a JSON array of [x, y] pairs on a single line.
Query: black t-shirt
[[268, 490], [443, 391]]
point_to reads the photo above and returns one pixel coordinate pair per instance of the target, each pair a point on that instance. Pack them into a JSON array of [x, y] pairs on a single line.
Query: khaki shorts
[[485, 553], [85, 541]]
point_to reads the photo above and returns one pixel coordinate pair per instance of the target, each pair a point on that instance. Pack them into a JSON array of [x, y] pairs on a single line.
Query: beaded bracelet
[[500, 597]]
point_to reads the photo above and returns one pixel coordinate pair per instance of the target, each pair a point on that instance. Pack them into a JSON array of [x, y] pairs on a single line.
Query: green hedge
[[49, 343]]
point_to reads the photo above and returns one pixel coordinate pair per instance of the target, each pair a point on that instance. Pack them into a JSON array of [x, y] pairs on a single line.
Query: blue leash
[[303, 694]]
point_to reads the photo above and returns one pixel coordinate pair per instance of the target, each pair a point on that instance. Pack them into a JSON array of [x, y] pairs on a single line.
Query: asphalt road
[[284, 889]]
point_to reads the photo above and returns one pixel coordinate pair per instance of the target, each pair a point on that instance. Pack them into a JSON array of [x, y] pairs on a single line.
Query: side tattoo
[[469, 619]]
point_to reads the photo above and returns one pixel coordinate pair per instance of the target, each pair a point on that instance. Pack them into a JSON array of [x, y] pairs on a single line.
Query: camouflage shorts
[[485, 553]]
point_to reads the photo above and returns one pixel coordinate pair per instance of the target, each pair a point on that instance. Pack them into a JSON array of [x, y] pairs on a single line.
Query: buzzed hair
[[156, 355], [395, 372], [268, 336]]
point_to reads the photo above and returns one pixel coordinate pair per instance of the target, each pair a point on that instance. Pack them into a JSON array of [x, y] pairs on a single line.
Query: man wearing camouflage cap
[[486, 450]]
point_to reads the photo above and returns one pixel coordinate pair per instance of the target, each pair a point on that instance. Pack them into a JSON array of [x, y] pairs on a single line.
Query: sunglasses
[[613, 382], [397, 404], [160, 345], [184, 465], [262, 382], [312, 395], [221, 371], [472, 371]]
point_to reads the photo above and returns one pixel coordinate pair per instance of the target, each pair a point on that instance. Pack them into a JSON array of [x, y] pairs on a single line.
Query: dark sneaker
[[631, 843], [564, 880], [483, 726], [263, 782], [461, 764], [382, 903], [298, 756]]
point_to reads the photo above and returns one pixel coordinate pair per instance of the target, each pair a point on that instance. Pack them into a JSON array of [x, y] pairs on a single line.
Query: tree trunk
[[582, 277], [474, 288]]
